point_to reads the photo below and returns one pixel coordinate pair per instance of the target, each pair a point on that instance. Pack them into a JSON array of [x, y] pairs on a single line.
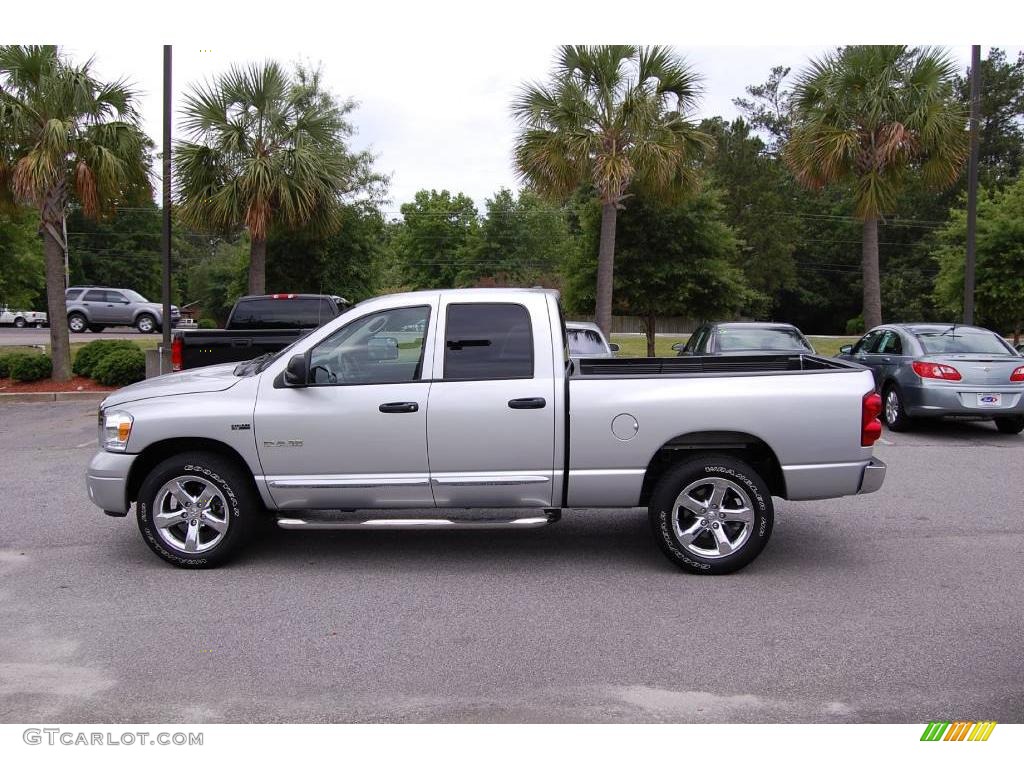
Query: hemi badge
[[241, 426]]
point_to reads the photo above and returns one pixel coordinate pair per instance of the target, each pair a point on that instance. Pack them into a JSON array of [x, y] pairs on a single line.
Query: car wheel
[[1010, 425], [19, 322], [196, 510], [712, 515], [96, 328], [77, 323], [893, 413], [146, 324]]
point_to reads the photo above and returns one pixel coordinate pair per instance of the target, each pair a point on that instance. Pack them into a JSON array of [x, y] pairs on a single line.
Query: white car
[[20, 318], [587, 340]]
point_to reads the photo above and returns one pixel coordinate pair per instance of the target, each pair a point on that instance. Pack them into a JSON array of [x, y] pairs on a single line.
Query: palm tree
[[870, 115], [265, 149], [64, 135], [613, 117]]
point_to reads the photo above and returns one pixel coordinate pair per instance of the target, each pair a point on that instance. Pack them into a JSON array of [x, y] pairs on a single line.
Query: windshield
[[962, 341], [583, 341], [136, 297], [781, 339]]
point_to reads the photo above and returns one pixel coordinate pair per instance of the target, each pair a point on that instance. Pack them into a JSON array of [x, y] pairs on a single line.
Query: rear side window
[[488, 341], [891, 344], [256, 314], [95, 296]]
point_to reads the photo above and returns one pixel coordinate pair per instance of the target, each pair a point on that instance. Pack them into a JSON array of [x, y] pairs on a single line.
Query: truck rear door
[[491, 411]]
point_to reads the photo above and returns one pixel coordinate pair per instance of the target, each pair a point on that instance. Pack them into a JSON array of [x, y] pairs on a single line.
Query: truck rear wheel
[[197, 510], [712, 515]]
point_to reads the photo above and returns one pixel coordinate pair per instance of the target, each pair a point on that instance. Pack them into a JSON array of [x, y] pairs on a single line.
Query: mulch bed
[[74, 384]]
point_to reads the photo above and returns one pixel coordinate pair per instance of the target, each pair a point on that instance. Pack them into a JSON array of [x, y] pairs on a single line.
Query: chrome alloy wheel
[[712, 517], [892, 407], [190, 514]]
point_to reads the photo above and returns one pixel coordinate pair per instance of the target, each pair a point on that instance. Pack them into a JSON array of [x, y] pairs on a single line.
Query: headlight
[[115, 428]]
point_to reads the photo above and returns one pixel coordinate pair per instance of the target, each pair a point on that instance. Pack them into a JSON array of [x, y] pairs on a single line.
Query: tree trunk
[[606, 268], [872, 307], [52, 212], [1016, 333], [258, 267], [649, 330]]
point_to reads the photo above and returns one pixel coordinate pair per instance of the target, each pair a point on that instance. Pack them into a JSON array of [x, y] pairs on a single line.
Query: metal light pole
[[972, 185], [165, 244]]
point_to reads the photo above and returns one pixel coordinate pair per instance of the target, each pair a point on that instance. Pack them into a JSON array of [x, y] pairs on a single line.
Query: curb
[[50, 397]]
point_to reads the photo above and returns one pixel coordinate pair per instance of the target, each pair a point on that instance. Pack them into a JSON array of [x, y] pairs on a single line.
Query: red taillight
[[870, 426], [1018, 374], [176, 345], [936, 371], [282, 295]]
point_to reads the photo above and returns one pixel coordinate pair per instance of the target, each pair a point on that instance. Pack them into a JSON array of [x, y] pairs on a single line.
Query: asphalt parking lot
[[13, 337], [902, 606]]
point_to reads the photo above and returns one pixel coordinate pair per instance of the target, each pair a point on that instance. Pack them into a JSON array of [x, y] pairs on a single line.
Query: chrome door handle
[[523, 403], [399, 407]]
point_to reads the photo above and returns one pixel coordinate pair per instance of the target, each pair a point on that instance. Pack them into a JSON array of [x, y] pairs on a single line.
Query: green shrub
[[121, 367], [31, 367], [89, 356], [207, 323], [855, 326], [5, 363]]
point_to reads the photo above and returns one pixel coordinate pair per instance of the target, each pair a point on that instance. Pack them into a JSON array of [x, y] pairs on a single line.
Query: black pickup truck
[[256, 325]]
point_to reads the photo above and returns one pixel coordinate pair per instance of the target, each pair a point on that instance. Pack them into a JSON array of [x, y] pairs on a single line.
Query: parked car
[[22, 318], [257, 325], [587, 340], [932, 370], [474, 412], [94, 308], [743, 338]]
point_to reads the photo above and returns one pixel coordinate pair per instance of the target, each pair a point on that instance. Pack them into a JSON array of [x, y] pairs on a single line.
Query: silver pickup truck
[[468, 399]]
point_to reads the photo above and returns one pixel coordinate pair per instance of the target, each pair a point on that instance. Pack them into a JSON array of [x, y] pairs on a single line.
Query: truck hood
[[212, 378]]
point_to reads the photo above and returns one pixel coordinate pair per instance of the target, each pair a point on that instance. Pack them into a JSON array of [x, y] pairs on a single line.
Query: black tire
[[738, 476], [239, 505], [19, 322], [96, 328], [901, 422], [77, 322], [146, 323], [1010, 425]]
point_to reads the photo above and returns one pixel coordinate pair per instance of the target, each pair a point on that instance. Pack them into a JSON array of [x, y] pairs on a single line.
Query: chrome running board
[[547, 517]]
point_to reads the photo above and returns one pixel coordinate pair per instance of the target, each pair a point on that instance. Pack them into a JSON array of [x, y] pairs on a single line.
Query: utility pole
[[165, 244], [972, 185]]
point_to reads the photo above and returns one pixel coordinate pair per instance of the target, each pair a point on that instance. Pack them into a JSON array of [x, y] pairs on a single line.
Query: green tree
[[768, 107], [1001, 133], [868, 114], [999, 244], [265, 149], [64, 135], [432, 246], [673, 259], [616, 118], [22, 284]]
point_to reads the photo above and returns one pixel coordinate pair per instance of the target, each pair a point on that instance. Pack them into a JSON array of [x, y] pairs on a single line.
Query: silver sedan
[[932, 370]]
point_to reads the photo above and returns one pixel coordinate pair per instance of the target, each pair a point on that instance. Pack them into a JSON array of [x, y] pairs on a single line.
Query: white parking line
[[883, 441], [87, 442]]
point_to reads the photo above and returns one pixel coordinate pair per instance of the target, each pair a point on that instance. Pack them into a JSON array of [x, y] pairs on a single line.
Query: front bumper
[[107, 481], [958, 399], [873, 477]]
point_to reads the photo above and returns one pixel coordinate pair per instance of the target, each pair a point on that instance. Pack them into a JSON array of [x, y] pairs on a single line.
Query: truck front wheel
[[712, 515], [197, 510]]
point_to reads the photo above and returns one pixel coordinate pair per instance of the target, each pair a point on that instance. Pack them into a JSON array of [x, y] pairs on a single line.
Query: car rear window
[[488, 341], [583, 341], [262, 314], [781, 339], [962, 341]]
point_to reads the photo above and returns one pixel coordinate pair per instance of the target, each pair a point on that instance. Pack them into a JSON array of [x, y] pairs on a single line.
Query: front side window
[[383, 348], [867, 344], [488, 341]]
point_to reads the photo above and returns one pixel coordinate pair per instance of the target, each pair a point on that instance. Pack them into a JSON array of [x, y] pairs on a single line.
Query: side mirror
[[297, 372], [846, 349], [382, 348], [678, 346], [613, 347]]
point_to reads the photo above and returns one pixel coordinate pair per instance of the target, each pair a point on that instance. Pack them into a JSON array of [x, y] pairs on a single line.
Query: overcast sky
[[434, 80]]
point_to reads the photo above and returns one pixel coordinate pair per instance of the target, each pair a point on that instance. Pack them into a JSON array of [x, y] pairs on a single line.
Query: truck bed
[[640, 367]]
